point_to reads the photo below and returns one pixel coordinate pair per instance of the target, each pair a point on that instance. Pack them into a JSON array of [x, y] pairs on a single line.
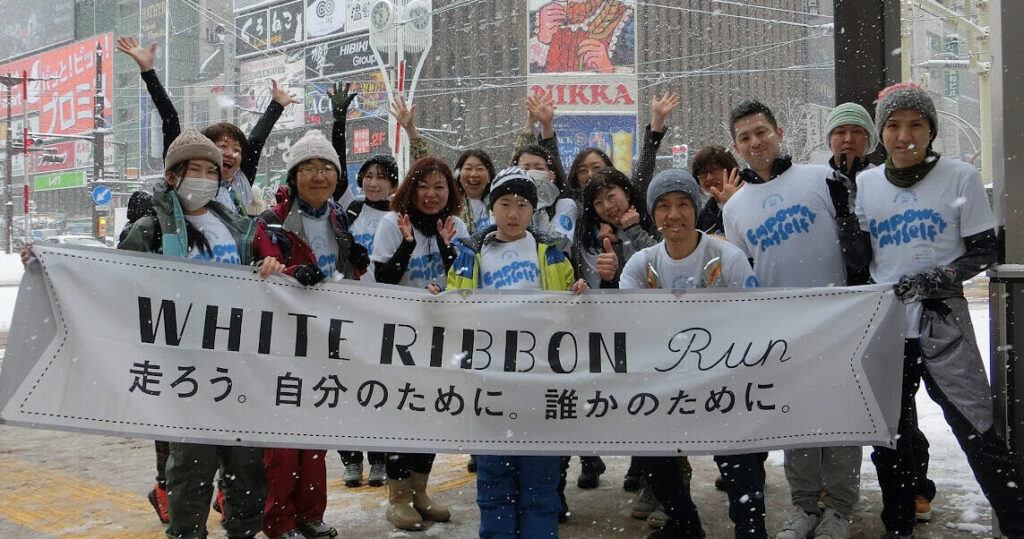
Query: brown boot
[[400, 512], [427, 508]]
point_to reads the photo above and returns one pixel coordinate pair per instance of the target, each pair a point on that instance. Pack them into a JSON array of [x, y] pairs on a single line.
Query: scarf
[[779, 166], [427, 224], [905, 178], [382, 205]]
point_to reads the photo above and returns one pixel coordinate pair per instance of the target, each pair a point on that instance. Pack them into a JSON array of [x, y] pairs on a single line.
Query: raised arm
[[661, 107], [145, 58], [406, 117], [257, 138], [341, 98]]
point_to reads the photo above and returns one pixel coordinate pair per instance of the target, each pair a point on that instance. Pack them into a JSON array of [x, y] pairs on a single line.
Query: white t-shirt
[[917, 229], [787, 226], [320, 238], [481, 215], [562, 224], [425, 265], [222, 243], [687, 272], [512, 265], [365, 226]]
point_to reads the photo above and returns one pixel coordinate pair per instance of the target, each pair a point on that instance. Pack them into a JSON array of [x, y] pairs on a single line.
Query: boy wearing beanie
[[688, 258], [517, 495], [931, 228]]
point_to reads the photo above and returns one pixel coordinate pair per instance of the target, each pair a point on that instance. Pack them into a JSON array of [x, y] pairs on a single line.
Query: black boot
[[675, 529], [631, 483], [590, 473]]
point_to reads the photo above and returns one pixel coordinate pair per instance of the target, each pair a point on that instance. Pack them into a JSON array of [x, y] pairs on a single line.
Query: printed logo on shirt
[[780, 227], [565, 222], [366, 240], [327, 264], [225, 254], [908, 226], [681, 282], [771, 201], [508, 275], [751, 282], [904, 197], [426, 267]]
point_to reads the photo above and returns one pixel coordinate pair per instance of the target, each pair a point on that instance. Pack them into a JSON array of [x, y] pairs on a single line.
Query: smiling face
[[675, 216], [851, 140], [610, 203], [906, 135], [431, 194], [376, 184], [512, 214], [474, 177], [316, 180], [588, 167], [231, 153], [757, 141]]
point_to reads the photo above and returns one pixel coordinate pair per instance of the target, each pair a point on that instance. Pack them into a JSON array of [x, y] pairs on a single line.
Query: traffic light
[[101, 228]]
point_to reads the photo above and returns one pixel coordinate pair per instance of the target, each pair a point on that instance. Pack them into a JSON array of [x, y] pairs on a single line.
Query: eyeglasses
[[313, 171], [708, 174]]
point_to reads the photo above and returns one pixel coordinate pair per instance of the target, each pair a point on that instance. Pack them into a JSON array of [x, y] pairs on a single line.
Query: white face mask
[[194, 193], [538, 176]]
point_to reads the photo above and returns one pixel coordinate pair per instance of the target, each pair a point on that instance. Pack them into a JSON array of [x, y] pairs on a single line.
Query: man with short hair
[[784, 219]]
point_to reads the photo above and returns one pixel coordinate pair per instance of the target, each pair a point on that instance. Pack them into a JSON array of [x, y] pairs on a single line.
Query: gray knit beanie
[[905, 95], [312, 145], [189, 145], [852, 114], [673, 181]]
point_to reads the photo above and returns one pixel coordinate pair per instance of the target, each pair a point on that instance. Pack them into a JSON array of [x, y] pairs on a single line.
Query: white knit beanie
[[189, 145], [312, 145]]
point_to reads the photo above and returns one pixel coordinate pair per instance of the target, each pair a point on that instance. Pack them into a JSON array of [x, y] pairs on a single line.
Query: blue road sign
[[101, 195]]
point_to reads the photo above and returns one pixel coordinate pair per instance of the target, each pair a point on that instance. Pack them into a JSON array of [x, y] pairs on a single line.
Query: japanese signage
[[324, 17], [336, 58], [32, 26], [269, 28], [65, 180], [255, 89], [616, 135], [211, 353], [577, 36], [64, 100], [358, 15], [588, 94]]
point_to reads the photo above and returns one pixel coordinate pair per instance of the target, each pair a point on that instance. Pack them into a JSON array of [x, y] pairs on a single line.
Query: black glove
[[924, 285], [358, 256], [341, 99], [842, 185], [309, 274]]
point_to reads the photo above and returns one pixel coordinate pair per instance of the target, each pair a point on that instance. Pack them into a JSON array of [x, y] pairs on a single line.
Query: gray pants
[[835, 470], [190, 471]]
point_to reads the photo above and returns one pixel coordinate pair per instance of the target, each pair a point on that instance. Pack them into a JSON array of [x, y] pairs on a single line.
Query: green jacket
[[163, 230], [555, 269]]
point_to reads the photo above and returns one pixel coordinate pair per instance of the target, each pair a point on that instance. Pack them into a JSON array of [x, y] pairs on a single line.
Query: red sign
[[64, 100], [361, 140], [586, 94], [60, 156]]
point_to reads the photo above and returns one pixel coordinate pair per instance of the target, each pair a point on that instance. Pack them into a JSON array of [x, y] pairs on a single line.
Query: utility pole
[[98, 128], [9, 81]]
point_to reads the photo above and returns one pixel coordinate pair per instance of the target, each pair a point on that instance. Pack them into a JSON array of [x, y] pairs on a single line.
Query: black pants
[[400, 465], [744, 483], [356, 457], [986, 453], [162, 450]]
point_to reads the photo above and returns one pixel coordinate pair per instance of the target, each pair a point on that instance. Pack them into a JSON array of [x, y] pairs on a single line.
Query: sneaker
[[800, 525], [675, 530], [353, 476], [590, 473], [317, 529], [658, 518], [471, 465], [832, 526], [158, 498], [922, 508], [631, 483], [378, 474], [645, 503]]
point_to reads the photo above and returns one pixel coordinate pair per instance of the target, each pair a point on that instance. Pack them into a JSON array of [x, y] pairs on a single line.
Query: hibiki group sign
[[212, 353]]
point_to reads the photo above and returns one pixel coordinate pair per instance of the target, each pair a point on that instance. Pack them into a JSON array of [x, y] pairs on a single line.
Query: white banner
[[141, 345]]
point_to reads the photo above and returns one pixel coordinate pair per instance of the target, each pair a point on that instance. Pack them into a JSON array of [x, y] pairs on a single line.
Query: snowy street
[[74, 485]]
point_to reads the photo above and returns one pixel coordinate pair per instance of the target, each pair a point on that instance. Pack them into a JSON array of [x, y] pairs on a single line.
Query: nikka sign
[[580, 93]]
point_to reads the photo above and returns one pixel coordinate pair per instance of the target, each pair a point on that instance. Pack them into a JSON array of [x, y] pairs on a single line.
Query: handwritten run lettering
[[922, 225], [518, 271], [695, 346], [781, 226]]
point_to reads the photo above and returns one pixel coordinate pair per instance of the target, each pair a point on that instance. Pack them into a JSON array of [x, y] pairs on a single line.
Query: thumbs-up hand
[[607, 262]]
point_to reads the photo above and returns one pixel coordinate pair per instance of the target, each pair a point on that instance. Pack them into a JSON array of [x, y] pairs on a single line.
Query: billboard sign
[[342, 57], [616, 135], [582, 37]]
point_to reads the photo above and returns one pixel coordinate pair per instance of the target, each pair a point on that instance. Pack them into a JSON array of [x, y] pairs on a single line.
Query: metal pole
[[8, 194], [97, 144], [24, 167]]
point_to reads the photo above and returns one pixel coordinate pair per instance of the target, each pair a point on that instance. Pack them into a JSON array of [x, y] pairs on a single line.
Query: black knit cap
[[513, 180], [386, 163]]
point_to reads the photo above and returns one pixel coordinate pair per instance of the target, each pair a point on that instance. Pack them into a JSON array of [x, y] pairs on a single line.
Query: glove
[[341, 99], [842, 186], [358, 256], [924, 285], [309, 274]]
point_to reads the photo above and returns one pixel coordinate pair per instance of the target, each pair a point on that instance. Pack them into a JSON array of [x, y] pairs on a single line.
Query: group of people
[[919, 221]]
